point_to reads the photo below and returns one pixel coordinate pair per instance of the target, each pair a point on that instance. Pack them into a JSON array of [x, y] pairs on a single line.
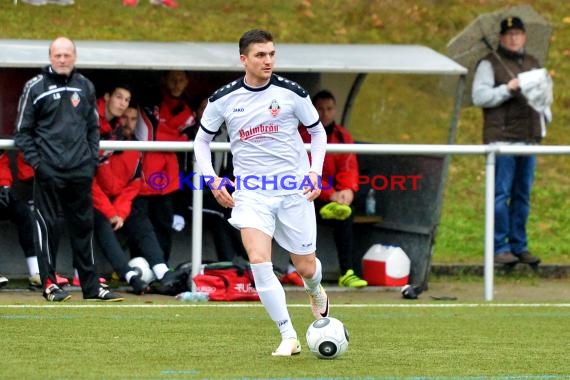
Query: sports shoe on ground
[[335, 211], [174, 282], [506, 258], [76, 281], [165, 3], [288, 347], [411, 292], [527, 258], [106, 295], [351, 280], [319, 303], [35, 281], [138, 285], [292, 278], [130, 3], [3, 281], [35, 2], [54, 293]]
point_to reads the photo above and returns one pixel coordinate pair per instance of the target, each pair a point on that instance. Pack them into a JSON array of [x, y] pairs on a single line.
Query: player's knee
[[306, 267]]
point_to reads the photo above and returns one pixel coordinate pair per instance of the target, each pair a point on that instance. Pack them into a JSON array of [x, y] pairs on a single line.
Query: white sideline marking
[[249, 305]]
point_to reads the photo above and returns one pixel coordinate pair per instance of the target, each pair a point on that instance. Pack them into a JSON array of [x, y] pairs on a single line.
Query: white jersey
[[268, 152]]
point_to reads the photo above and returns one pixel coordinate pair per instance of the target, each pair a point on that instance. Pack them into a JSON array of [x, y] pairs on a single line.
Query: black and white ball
[[140, 263], [327, 338]]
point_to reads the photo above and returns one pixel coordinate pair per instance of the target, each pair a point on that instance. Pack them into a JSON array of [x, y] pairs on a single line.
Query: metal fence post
[[197, 206], [489, 223]]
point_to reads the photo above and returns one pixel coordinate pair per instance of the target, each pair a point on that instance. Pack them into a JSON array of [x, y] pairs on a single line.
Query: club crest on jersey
[[274, 108], [75, 99]]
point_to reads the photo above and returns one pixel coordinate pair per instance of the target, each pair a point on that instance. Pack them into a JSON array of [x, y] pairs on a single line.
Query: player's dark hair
[[111, 88], [323, 94], [254, 36]]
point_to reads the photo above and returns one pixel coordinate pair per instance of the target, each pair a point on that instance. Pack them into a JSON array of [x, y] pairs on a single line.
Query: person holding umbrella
[[509, 119]]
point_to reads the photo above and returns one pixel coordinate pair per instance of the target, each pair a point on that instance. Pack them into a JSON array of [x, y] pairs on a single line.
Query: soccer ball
[[327, 338], [140, 263]]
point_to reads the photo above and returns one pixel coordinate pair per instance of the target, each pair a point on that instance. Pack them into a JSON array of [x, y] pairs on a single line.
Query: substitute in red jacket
[[117, 182], [172, 121], [342, 170], [110, 107]]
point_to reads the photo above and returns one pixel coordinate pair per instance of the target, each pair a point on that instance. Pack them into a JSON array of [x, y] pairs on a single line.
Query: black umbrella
[[482, 36]]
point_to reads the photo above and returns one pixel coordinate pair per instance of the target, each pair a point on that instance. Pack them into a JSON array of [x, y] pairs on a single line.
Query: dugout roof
[[354, 58]]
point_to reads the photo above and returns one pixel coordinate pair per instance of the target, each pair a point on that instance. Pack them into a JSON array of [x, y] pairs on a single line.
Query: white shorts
[[290, 219]]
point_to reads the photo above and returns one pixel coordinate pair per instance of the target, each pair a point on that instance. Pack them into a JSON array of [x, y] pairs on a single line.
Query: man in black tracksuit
[[57, 129]]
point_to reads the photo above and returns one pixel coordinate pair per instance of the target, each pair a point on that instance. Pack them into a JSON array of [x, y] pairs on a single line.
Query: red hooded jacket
[[117, 182], [105, 128], [174, 116], [335, 163]]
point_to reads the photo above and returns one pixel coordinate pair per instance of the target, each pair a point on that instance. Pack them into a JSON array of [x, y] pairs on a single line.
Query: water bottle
[[192, 296], [371, 203]]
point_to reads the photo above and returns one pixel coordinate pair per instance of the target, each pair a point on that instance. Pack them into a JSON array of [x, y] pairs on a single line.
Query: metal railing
[[489, 151]]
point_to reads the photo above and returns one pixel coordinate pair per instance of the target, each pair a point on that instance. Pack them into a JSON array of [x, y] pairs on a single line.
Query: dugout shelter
[[407, 219]]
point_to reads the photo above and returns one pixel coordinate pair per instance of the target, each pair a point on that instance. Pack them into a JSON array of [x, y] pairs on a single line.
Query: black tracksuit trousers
[[110, 246], [73, 197]]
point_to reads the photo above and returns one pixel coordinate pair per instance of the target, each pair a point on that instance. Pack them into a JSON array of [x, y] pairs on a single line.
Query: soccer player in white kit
[[275, 183]]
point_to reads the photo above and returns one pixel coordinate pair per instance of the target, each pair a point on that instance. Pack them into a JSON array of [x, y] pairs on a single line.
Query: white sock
[[272, 297], [312, 284], [130, 275], [160, 270], [33, 267]]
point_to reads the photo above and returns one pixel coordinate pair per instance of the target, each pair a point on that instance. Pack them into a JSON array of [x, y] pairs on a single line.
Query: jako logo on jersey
[[274, 108], [75, 99], [239, 109], [258, 131]]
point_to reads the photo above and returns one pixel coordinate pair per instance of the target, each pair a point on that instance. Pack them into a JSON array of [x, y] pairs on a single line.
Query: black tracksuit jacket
[[57, 123]]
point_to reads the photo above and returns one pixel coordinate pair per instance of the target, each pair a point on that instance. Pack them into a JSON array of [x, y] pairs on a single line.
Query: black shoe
[[173, 282], [169, 279], [54, 293], [138, 285], [411, 292], [167, 284], [106, 295], [506, 258], [527, 258]]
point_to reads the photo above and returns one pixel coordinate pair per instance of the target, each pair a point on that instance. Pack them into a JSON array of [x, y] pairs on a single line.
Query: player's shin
[[272, 297]]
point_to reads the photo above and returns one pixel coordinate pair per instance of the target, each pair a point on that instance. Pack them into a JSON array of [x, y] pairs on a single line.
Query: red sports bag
[[226, 282]]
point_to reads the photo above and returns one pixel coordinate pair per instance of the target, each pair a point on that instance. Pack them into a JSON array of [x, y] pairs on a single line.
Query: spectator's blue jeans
[[513, 182]]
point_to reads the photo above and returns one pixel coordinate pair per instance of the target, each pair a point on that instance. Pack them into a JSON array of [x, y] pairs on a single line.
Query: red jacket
[[117, 182], [174, 116], [105, 128], [5, 171], [335, 163], [25, 171]]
